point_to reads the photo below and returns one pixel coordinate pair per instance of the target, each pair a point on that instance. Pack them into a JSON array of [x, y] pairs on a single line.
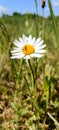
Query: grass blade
[[53, 21]]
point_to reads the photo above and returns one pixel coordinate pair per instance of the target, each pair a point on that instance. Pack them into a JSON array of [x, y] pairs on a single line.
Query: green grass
[[24, 105]]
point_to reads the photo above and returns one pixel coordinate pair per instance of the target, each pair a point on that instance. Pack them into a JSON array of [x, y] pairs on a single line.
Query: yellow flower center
[[28, 49]]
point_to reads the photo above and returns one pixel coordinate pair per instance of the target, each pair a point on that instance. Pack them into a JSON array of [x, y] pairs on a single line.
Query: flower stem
[[32, 77], [20, 69], [43, 24], [32, 74], [37, 18]]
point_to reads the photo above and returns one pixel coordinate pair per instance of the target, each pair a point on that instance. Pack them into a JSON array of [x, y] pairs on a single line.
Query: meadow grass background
[[20, 107]]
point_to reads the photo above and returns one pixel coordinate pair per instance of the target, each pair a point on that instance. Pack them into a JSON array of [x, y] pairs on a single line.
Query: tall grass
[[53, 22]]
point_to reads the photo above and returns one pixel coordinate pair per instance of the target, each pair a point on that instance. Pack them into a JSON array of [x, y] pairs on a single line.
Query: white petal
[[24, 38], [17, 56], [27, 57], [31, 41], [16, 50], [17, 43], [30, 37], [40, 51], [20, 39], [37, 47], [37, 41], [36, 55]]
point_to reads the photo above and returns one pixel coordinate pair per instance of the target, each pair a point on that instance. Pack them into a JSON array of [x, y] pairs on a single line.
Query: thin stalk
[[17, 75], [27, 87], [18, 78], [34, 93], [43, 23], [32, 74], [37, 26], [20, 68], [56, 31], [14, 69], [32, 78], [36, 5], [4, 31], [55, 121]]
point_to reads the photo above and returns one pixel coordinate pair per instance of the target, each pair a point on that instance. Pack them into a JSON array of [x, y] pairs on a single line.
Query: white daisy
[[27, 47]]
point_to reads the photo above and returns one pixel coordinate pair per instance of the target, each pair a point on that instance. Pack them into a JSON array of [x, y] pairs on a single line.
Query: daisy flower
[[27, 47]]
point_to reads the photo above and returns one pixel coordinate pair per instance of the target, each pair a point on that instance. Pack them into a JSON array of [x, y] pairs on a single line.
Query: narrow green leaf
[[35, 105], [53, 22], [46, 90], [27, 86]]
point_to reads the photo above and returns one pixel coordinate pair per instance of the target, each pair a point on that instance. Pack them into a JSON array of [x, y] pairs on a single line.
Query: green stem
[[32, 77], [43, 24], [18, 78], [32, 74], [36, 5], [20, 68], [33, 94]]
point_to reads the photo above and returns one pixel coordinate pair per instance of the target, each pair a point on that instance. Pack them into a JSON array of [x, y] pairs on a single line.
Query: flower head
[[43, 3], [27, 47]]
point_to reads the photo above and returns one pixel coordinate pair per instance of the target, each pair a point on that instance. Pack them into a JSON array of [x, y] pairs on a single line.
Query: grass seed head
[[42, 3]]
